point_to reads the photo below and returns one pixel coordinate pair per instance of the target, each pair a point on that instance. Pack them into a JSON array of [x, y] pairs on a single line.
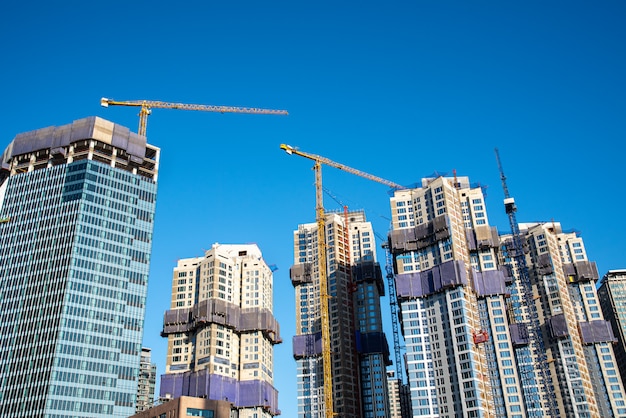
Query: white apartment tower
[[583, 378], [452, 299], [471, 346], [221, 330]]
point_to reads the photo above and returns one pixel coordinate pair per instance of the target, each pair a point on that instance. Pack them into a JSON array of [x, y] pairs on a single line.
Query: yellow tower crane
[[147, 105], [322, 266]]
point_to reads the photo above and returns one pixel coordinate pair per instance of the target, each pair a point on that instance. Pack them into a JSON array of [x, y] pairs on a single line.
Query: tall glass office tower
[[76, 210]]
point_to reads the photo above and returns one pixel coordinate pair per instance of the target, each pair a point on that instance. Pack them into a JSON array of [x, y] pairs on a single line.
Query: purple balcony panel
[[452, 273], [257, 393], [409, 285], [519, 334], [419, 284], [558, 326], [172, 385], [307, 345], [598, 331], [221, 388], [489, 283]]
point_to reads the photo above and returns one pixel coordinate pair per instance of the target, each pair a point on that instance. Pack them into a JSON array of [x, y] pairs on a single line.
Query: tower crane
[[322, 266], [147, 106], [391, 284], [534, 331]]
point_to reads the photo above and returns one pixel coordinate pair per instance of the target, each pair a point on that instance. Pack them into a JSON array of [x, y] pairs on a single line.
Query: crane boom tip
[[287, 148]]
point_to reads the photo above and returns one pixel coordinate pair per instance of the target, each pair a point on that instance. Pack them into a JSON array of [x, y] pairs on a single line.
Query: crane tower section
[[532, 358]]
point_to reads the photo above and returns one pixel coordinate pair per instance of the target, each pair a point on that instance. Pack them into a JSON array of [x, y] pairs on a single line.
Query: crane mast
[[147, 106], [325, 320], [393, 304], [322, 266], [534, 332]]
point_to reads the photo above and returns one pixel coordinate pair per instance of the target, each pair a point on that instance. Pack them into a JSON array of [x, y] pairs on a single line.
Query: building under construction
[[612, 294], [583, 378], [77, 205], [221, 331], [452, 299], [358, 347], [486, 334]]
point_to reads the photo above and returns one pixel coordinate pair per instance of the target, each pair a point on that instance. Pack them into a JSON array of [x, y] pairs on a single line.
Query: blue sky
[[396, 89]]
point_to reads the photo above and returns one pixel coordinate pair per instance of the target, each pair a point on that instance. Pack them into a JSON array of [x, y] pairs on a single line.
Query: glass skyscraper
[[77, 205]]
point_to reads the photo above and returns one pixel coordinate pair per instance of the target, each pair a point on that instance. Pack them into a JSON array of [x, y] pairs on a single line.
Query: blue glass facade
[[74, 262]]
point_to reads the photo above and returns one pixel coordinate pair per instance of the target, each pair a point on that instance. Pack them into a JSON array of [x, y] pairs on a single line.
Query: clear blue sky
[[397, 89]]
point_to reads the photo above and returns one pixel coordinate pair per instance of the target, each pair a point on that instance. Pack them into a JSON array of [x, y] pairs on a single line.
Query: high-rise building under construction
[[612, 295], [77, 205], [471, 349], [146, 382], [451, 296], [221, 331], [582, 374], [359, 351]]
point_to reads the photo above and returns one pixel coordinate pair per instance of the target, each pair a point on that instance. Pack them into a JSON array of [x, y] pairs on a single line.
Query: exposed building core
[[221, 331], [77, 203], [359, 348]]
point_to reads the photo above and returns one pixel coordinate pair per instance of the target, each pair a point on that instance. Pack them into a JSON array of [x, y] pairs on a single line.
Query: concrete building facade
[[187, 406], [77, 204], [221, 331], [359, 348]]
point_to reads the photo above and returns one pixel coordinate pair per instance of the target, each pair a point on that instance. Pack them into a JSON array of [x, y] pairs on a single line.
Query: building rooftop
[[114, 144]]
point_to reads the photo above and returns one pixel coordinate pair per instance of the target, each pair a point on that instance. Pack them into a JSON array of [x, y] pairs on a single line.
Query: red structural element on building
[[481, 336]]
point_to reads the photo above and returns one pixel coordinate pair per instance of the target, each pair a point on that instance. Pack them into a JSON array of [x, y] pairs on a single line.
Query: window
[[195, 412]]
